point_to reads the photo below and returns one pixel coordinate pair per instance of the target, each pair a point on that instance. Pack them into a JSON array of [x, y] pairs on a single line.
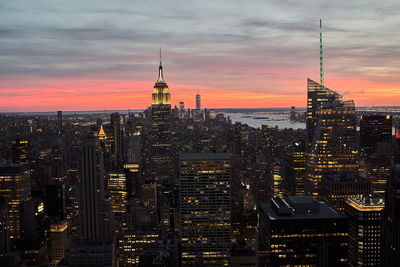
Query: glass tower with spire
[[331, 133]]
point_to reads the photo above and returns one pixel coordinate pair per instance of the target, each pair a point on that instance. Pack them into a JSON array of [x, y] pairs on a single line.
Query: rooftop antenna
[[160, 57], [160, 70], [321, 56]]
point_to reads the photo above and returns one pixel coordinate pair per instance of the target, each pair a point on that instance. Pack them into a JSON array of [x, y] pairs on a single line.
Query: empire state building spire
[[160, 71]]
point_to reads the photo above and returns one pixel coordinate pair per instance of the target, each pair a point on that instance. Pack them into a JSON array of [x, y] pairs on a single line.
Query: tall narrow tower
[[161, 163], [198, 100], [94, 210], [331, 133], [321, 56]]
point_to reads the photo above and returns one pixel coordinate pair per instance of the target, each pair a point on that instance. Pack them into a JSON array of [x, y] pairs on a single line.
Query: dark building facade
[[94, 210], [336, 189], [205, 209], [374, 129], [301, 231], [391, 222]]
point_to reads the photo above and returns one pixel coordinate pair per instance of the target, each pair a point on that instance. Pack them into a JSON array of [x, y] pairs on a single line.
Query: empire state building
[[161, 152]]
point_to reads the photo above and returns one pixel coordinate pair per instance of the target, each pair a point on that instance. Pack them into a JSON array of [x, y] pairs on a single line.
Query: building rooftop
[[187, 156], [372, 202], [298, 208]]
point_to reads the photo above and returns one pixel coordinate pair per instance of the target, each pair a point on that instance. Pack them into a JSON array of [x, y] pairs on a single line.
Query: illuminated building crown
[[161, 94]]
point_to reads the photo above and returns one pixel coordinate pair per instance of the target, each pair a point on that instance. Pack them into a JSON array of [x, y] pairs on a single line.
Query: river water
[[257, 119]]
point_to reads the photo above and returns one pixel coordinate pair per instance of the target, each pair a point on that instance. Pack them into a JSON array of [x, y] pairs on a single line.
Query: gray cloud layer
[[212, 41]]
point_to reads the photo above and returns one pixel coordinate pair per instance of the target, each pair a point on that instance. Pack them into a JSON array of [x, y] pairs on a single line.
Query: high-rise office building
[[118, 138], [295, 166], [198, 101], [161, 155], [118, 192], [95, 246], [376, 166], [365, 215], [268, 140], [377, 170], [59, 118], [331, 132], [15, 188], [332, 136], [94, 211], [55, 200], [374, 129], [149, 196], [182, 111], [134, 146], [335, 190], [5, 244], [276, 180], [20, 150], [58, 241], [205, 214], [293, 113], [132, 242], [391, 222], [301, 231]]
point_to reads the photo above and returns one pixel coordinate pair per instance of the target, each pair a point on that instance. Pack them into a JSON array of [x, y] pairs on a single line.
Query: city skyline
[[103, 56]]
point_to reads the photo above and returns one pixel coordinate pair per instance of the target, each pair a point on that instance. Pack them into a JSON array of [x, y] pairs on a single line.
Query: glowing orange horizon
[[100, 94]]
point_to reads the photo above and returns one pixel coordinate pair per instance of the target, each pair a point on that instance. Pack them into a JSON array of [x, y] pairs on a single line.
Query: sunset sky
[[92, 54]]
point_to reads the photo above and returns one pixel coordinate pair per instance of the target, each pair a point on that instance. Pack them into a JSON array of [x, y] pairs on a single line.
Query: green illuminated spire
[[321, 56]]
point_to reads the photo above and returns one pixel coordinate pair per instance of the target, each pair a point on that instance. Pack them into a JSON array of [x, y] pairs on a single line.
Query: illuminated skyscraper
[[365, 215], [20, 150], [58, 241], [331, 133], [376, 167], [205, 209], [268, 143], [118, 192], [332, 136], [295, 163], [15, 188], [161, 156], [276, 183], [132, 242], [101, 134]]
